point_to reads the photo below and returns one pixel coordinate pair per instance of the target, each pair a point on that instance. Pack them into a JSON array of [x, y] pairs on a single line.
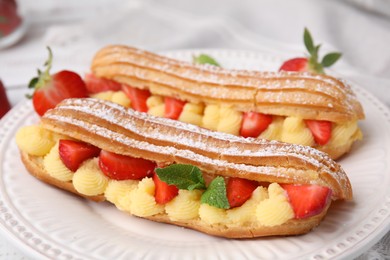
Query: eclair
[[181, 174], [296, 107]]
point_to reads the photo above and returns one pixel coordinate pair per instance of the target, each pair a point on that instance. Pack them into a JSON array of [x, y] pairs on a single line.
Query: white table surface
[[76, 29]]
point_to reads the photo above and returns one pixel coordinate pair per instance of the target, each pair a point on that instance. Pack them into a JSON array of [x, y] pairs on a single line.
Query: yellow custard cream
[[225, 119]]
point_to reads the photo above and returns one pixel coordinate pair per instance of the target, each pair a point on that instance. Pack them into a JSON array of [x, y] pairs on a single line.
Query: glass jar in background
[[12, 26]]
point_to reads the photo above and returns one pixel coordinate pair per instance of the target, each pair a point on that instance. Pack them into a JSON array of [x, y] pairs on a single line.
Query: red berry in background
[[51, 89], [9, 17], [5, 106], [311, 62], [295, 64]]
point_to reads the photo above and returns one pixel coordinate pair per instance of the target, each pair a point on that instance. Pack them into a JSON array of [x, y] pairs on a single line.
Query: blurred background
[[75, 30]]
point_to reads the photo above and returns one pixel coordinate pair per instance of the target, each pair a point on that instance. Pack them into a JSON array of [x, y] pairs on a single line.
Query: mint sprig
[[327, 61], [205, 59], [183, 176], [215, 195], [189, 177]]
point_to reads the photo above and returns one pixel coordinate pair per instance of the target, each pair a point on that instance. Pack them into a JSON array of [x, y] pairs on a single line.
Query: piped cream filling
[[225, 119], [137, 197]]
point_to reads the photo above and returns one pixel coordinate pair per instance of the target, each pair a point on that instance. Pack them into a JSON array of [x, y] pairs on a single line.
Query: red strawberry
[[164, 193], [321, 130], [239, 191], [96, 85], [173, 107], [253, 124], [311, 63], [9, 18], [52, 89], [295, 64], [121, 167], [73, 153], [307, 200], [137, 97], [5, 106]]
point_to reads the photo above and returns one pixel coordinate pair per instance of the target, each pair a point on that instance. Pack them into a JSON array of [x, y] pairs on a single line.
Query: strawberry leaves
[[189, 177], [327, 61]]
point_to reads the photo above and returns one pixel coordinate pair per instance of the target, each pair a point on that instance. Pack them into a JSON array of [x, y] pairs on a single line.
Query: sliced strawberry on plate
[[310, 63], [73, 153], [173, 107], [164, 193], [321, 130], [49, 90], [96, 85], [5, 106], [137, 97], [307, 200], [121, 167], [239, 190], [253, 124]]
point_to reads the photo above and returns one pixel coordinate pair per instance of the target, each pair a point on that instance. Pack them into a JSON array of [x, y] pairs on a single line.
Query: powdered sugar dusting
[[219, 83]]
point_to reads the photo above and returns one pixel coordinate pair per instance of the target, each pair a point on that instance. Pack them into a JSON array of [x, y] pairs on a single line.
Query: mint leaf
[[330, 58], [215, 195], [205, 59], [308, 40], [183, 176]]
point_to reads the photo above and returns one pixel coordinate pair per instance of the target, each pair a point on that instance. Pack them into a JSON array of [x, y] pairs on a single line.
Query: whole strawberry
[[52, 89], [310, 63]]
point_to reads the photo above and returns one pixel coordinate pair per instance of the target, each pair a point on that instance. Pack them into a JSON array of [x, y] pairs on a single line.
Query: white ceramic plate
[[47, 223]]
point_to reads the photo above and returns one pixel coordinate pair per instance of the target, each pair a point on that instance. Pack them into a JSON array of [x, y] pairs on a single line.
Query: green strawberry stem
[[43, 77], [313, 63]]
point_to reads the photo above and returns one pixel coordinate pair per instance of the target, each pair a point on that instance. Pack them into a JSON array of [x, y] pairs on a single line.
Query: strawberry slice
[[5, 106], [49, 90], [164, 193], [321, 130], [121, 167], [173, 107], [239, 190], [73, 153], [97, 85], [310, 63], [307, 200], [253, 124], [137, 97]]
